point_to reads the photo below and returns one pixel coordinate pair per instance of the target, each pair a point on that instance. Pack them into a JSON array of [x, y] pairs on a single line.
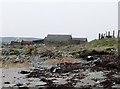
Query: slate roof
[[80, 39], [58, 38]]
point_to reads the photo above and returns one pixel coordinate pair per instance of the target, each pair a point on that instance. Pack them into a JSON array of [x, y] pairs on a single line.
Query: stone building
[[58, 39], [21, 42], [79, 40], [63, 40], [41, 41], [53, 40]]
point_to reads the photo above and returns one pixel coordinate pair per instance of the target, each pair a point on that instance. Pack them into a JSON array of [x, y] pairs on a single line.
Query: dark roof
[[38, 41], [80, 39], [58, 37]]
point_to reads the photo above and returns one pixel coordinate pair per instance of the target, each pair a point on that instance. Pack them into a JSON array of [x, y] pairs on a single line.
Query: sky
[[37, 18]]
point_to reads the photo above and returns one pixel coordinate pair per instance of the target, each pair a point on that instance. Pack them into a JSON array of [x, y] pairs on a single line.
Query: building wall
[[38, 41], [70, 41], [58, 39], [78, 41], [57, 42]]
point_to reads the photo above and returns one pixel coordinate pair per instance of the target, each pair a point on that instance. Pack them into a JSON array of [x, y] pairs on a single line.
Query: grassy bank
[[102, 44]]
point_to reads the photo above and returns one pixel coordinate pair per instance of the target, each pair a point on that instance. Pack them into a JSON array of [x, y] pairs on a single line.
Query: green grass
[[102, 44], [99, 45]]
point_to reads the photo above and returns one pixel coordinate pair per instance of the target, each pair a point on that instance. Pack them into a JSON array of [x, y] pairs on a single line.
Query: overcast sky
[[37, 18]]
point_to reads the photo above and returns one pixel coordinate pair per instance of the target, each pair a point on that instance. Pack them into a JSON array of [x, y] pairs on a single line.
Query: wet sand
[[8, 64], [99, 73], [13, 75], [0, 78]]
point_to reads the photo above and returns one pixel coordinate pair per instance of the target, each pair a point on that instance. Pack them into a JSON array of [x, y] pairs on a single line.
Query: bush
[[5, 52], [14, 52], [31, 50], [80, 53]]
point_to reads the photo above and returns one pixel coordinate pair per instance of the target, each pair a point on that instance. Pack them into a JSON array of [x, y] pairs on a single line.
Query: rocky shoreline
[[102, 72], [52, 67]]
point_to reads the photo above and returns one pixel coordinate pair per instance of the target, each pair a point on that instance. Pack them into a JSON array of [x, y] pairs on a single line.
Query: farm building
[[53, 40], [63, 40], [21, 42], [58, 39], [41, 41], [79, 40], [15, 42]]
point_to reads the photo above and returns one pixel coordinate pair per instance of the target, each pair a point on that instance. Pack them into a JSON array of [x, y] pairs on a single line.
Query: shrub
[[13, 52], [30, 50]]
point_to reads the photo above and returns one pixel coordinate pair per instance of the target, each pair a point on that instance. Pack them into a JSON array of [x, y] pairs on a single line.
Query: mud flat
[[0, 78]]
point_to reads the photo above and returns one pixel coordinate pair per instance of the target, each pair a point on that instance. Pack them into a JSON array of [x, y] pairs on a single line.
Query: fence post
[[99, 36], [113, 34]]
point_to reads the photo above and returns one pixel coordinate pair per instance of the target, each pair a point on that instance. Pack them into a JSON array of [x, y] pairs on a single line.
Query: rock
[[89, 58], [19, 83], [6, 82], [24, 72]]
